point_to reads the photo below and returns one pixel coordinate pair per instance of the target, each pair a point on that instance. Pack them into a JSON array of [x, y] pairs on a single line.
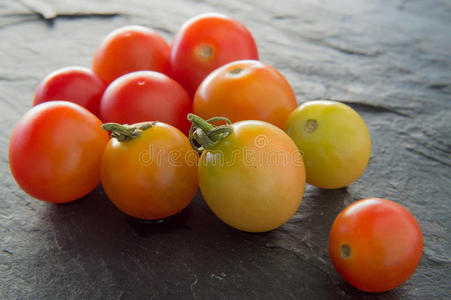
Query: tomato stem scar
[[310, 126], [204, 51], [126, 132], [206, 134], [345, 251], [236, 71]]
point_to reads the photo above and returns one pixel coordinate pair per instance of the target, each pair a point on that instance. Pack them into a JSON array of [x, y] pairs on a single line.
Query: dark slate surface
[[390, 60]]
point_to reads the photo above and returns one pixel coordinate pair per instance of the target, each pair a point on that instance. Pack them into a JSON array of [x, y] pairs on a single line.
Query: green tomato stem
[[125, 132], [204, 135], [200, 123]]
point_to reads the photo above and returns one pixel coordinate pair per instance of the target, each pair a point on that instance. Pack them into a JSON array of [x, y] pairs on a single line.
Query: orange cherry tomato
[[375, 244], [55, 151], [149, 172], [205, 43], [246, 90], [128, 49], [253, 178]]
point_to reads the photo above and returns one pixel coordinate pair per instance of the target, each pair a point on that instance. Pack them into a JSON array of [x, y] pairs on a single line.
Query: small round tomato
[[129, 49], [246, 90], [55, 151], [205, 43], [148, 170], [251, 174], [334, 140], [375, 244], [75, 84], [146, 96]]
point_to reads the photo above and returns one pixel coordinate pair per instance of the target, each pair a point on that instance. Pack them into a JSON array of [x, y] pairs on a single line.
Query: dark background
[[389, 60]]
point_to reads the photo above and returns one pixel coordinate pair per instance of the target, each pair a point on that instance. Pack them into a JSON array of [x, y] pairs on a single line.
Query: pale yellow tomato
[[334, 141]]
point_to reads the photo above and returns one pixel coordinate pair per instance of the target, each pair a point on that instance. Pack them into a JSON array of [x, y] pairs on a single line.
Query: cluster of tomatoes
[[207, 93]]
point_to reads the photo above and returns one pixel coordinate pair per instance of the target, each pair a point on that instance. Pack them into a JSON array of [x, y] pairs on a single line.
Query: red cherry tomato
[[74, 84], [129, 49], [55, 151], [150, 175], [245, 90], [146, 96], [205, 43], [375, 244]]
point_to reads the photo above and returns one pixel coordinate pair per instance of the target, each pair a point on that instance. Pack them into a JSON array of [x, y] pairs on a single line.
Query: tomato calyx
[[125, 132], [203, 135]]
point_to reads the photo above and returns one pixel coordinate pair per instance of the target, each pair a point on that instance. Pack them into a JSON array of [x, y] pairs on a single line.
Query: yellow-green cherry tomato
[[334, 141], [251, 173]]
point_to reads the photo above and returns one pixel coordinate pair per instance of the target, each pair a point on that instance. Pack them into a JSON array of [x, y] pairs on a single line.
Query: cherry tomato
[[55, 151], [75, 84], [251, 175], [246, 90], [129, 49], [334, 141], [149, 172], [205, 43], [146, 96], [375, 244]]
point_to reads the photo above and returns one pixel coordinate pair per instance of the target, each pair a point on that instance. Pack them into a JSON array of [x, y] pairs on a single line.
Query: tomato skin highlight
[[152, 176], [385, 244], [205, 43], [254, 179], [129, 49], [245, 90], [146, 96], [75, 84], [334, 141], [55, 151]]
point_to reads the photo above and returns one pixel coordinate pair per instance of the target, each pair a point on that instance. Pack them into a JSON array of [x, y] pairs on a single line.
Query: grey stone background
[[389, 60]]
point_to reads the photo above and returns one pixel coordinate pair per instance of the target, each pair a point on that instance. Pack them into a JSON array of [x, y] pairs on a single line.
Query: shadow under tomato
[[167, 225]]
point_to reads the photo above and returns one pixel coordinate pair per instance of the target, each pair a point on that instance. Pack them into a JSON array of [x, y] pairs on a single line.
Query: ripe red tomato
[[146, 96], [251, 176], [55, 151], [149, 172], [75, 84], [375, 244], [205, 43], [128, 49], [245, 90]]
